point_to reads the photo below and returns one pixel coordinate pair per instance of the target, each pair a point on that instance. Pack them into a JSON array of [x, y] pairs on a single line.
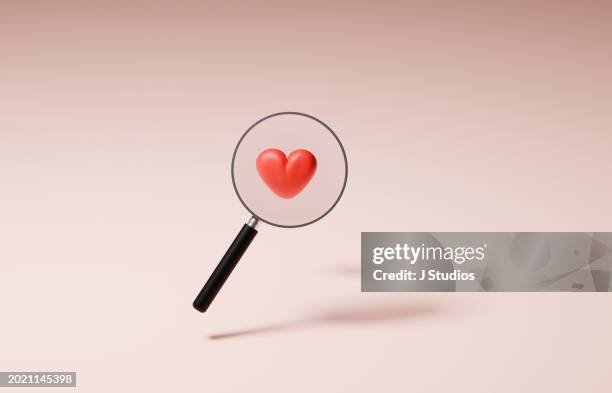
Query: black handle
[[224, 268]]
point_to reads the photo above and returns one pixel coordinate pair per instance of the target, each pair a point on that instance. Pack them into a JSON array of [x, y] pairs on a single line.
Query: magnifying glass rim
[[328, 129]]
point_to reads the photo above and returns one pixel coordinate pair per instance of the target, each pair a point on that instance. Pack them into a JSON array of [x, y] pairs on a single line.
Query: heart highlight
[[286, 176]]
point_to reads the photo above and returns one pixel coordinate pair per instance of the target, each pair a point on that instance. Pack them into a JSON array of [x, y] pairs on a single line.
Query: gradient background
[[117, 125]]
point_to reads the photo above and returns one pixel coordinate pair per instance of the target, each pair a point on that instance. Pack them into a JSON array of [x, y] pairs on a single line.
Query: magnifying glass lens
[[289, 170]]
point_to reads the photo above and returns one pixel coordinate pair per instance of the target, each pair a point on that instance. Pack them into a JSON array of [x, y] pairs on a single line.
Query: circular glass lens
[[289, 169]]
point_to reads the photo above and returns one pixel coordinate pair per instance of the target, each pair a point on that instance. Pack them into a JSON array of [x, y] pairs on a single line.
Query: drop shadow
[[344, 270], [349, 315], [278, 327]]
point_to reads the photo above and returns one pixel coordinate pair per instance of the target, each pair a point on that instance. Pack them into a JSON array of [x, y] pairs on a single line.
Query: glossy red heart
[[286, 176]]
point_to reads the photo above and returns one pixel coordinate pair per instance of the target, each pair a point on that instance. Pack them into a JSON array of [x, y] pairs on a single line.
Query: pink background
[[117, 124]]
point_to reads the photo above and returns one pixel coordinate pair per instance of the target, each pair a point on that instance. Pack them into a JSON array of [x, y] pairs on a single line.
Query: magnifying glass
[[289, 169]]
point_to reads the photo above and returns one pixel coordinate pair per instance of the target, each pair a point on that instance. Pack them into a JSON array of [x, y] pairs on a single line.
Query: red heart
[[286, 177]]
